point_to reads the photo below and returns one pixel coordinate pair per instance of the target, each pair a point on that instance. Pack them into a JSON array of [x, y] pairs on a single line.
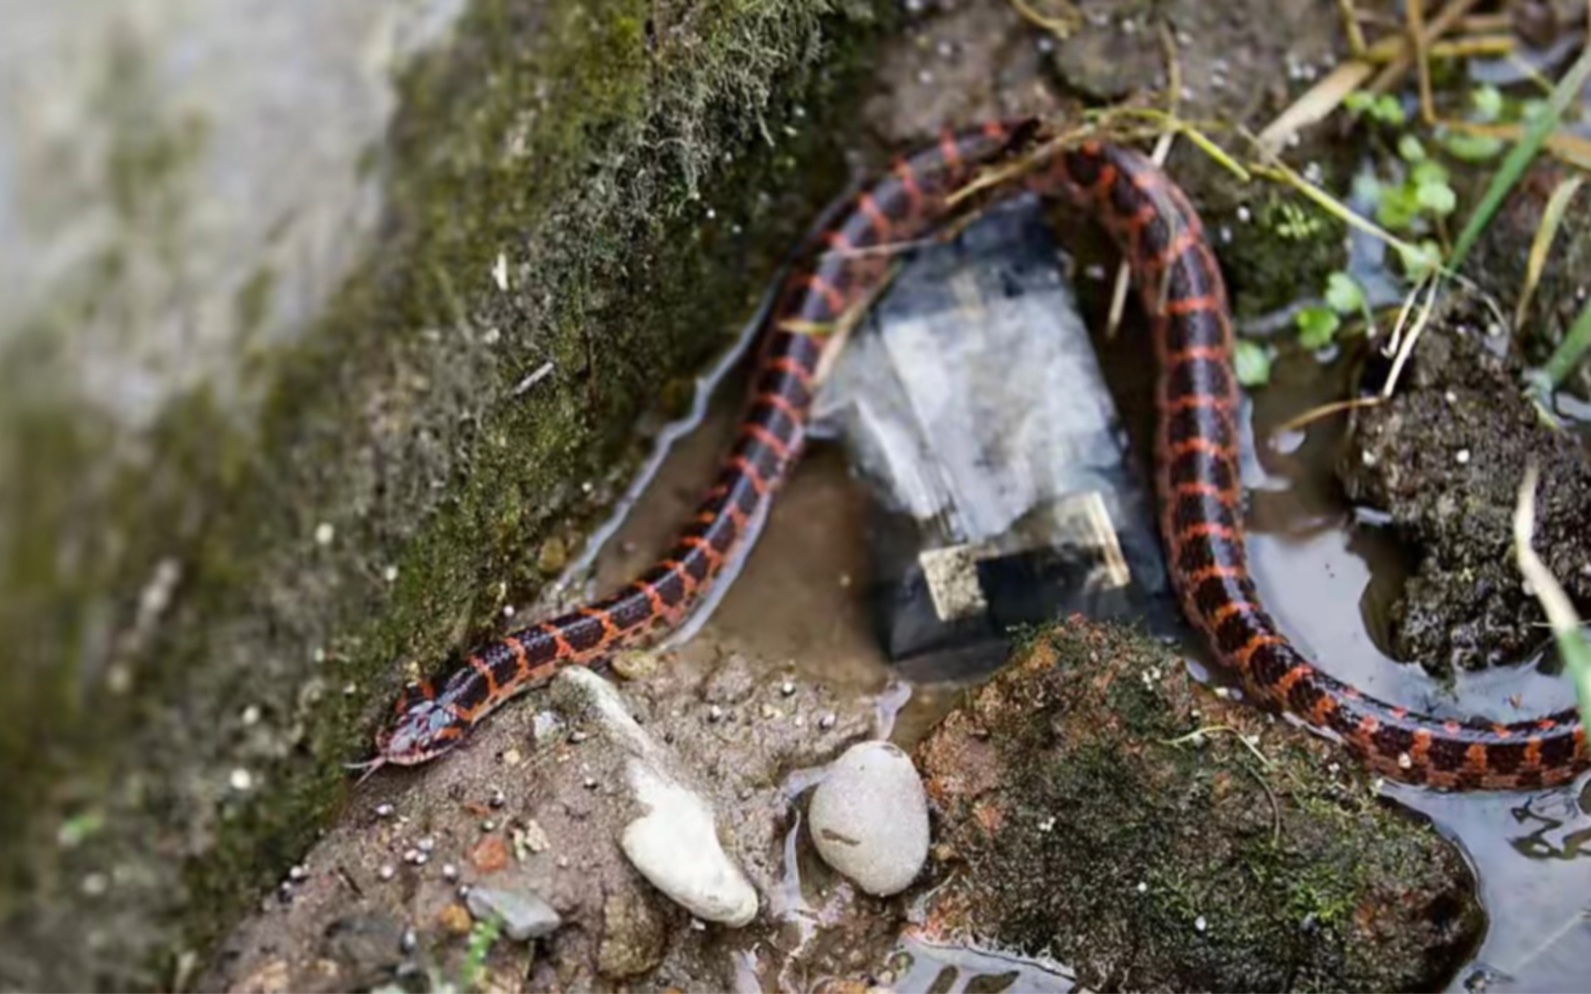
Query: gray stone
[[524, 914], [869, 818]]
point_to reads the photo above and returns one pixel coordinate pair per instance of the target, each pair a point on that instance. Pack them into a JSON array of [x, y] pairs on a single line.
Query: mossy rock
[[1096, 806]]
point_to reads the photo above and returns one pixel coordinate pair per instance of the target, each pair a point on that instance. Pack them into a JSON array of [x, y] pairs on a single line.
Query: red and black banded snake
[[1197, 476]]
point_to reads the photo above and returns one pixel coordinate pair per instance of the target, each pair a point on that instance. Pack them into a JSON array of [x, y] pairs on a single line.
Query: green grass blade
[[1520, 156], [1569, 351], [1572, 645]]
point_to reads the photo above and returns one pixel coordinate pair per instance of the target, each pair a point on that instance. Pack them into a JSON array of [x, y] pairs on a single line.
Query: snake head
[[424, 729]]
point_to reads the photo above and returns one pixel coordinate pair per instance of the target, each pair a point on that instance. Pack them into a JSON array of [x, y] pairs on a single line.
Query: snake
[[840, 270]]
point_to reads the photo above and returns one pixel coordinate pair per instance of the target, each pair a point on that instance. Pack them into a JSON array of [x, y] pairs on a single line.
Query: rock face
[[869, 818], [1444, 458], [1094, 805], [305, 344]]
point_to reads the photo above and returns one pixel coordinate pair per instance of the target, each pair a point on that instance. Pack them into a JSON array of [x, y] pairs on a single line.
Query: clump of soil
[[1444, 459], [1095, 806]]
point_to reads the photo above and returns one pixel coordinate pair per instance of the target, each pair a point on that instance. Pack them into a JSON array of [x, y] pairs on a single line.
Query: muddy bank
[[1097, 807], [202, 609], [1444, 459], [536, 804], [1079, 818]]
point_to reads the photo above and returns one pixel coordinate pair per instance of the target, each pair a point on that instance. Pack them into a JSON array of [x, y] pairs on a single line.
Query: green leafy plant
[[1252, 361]]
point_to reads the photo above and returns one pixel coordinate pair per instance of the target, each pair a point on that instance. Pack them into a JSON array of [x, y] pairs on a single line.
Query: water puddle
[[1328, 574]]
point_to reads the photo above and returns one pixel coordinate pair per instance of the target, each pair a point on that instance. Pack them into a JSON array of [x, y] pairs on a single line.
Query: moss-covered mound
[[1096, 805]]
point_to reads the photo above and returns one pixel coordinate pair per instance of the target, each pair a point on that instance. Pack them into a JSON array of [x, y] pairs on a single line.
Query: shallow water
[[1328, 574]]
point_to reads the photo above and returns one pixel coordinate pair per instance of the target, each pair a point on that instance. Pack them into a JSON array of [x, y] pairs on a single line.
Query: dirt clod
[[1444, 459]]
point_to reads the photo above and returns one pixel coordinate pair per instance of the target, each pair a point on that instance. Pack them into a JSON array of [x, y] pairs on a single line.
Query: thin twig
[[1431, 284], [1438, 26], [1520, 156], [1314, 414], [1415, 11], [1350, 27]]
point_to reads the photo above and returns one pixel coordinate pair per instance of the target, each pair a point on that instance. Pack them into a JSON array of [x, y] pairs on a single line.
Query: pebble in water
[[869, 818]]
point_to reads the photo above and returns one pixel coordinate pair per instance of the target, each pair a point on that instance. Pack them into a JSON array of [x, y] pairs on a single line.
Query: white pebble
[[675, 843], [241, 779], [869, 818], [675, 846], [324, 533]]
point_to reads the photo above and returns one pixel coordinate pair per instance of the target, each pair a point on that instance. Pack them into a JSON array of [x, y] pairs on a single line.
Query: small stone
[[298, 873], [715, 713], [525, 915], [675, 843], [869, 818], [455, 919], [787, 688], [536, 837], [387, 871], [384, 810], [427, 844], [450, 872], [251, 715], [634, 665], [827, 721], [241, 779], [390, 574], [675, 846], [324, 533], [409, 940], [1200, 924], [496, 798], [490, 854]]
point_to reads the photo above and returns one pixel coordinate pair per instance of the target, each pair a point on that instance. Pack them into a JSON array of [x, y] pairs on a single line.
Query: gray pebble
[[525, 914]]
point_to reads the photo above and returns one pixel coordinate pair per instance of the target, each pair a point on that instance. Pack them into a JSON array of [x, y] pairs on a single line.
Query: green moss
[[582, 145], [1146, 857], [1284, 253]]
